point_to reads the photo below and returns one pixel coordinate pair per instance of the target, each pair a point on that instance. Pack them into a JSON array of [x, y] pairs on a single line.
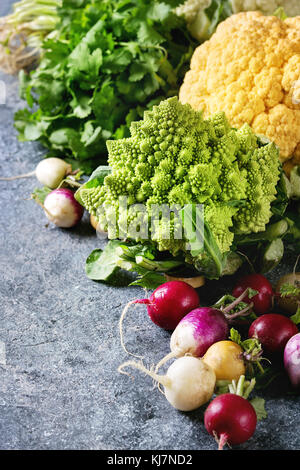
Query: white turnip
[[50, 172], [188, 383]]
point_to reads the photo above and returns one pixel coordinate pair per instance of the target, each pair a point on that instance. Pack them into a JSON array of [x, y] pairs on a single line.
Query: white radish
[[62, 209], [188, 383], [50, 172]]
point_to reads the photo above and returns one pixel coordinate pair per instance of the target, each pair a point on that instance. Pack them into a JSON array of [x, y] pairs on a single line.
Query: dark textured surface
[[59, 341]]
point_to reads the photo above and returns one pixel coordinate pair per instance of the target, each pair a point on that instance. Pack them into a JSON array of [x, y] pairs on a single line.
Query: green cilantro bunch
[[107, 62]]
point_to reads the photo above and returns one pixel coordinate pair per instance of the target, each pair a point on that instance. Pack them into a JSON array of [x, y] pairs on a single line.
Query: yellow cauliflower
[[250, 69]]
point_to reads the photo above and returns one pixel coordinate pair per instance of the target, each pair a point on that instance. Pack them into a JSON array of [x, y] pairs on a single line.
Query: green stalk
[[161, 266]]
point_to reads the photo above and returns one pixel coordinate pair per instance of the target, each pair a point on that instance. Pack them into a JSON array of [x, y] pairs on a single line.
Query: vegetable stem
[[222, 441], [236, 302]]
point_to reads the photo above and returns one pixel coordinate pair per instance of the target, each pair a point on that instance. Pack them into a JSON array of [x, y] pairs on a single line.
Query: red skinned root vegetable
[[62, 209], [201, 328], [263, 300], [273, 332], [230, 418], [291, 360], [188, 383], [167, 305]]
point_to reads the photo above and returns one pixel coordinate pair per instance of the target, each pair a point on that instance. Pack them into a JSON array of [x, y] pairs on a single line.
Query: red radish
[[170, 302], [62, 209], [273, 331], [263, 301], [230, 419], [167, 305], [291, 359]]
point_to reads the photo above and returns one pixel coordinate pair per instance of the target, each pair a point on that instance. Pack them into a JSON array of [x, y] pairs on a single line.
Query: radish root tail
[[132, 302], [12, 178], [161, 379], [165, 359]]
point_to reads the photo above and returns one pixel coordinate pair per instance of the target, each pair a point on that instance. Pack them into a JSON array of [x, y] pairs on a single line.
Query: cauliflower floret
[[250, 69], [268, 7], [190, 9]]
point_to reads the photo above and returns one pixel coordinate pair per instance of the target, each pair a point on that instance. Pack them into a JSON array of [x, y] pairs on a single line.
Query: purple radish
[[196, 332], [201, 328], [291, 359], [62, 209]]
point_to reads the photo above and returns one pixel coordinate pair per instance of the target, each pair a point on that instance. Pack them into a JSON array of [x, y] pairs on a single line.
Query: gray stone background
[[59, 341]]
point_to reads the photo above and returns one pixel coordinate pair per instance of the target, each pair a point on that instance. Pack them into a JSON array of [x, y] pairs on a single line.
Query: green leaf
[[159, 12], [290, 290], [258, 404], [96, 179], [280, 13], [40, 194], [202, 241], [295, 182], [235, 336], [148, 36], [296, 317], [101, 264], [81, 106], [150, 280], [272, 255]]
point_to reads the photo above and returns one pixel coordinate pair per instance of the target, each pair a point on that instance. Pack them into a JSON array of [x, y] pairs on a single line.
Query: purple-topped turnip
[[62, 209], [291, 360]]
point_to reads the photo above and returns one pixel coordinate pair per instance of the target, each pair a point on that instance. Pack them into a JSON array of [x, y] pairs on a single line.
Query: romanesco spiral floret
[[262, 176], [175, 157], [219, 219], [203, 179]]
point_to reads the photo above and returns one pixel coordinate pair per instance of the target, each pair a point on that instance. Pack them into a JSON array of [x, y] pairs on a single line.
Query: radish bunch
[[205, 356]]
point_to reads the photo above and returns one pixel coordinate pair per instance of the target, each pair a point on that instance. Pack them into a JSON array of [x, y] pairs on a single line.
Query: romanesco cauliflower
[[174, 156]]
